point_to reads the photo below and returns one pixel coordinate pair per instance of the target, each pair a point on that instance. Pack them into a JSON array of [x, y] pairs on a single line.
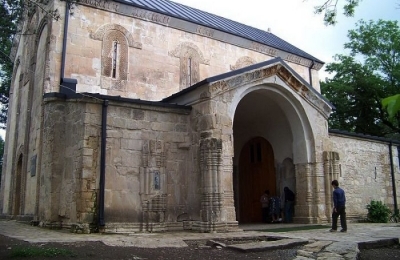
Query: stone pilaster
[[210, 168], [304, 200], [214, 215], [319, 203], [331, 172]]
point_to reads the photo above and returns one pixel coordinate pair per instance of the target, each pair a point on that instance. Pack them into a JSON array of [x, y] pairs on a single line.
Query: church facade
[[153, 116]]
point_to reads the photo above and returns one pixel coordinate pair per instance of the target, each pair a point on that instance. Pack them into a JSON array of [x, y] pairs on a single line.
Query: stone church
[[148, 115]]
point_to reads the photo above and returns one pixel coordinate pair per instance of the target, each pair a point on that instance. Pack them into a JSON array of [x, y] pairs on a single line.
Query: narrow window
[[114, 59], [259, 152], [251, 153], [189, 72]]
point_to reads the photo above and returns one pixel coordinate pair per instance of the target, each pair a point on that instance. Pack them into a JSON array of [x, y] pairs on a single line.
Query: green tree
[[361, 79], [1, 156], [329, 9], [10, 13]]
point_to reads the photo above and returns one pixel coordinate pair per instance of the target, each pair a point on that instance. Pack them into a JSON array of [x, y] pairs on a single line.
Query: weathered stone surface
[[329, 256], [317, 246], [305, 253], [342, 247]]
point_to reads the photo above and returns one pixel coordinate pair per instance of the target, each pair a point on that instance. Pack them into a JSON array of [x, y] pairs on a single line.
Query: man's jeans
[[289, 205], [340, 211]]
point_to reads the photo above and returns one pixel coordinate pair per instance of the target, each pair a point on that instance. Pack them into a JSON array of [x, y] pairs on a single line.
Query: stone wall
[[66, 193], [365, 172], [150, 178]]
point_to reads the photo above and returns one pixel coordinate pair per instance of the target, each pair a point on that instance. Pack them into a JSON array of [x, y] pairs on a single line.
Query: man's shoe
[[343, 230], [332, 230]]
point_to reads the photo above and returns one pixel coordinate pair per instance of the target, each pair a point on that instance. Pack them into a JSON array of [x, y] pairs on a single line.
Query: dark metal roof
[[244, 70], [220, 23], [364, 136]]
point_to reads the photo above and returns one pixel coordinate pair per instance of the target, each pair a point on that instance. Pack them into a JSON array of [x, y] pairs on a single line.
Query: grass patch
[[288, 229], [40, 251]]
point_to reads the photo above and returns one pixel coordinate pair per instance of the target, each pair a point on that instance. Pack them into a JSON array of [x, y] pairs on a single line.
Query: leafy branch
[[330, 8]]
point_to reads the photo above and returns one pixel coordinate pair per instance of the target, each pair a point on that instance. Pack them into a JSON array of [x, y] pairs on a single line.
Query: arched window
[[190, 58], [114, 55], [189, 69]]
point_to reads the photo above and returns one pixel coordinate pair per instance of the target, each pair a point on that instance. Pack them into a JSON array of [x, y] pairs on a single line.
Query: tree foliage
[[10, 14], [1, 156], [392, 105], [363, 78], [329, 9]]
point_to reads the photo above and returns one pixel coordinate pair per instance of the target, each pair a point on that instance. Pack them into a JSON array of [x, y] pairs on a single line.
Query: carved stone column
[[319, 210], [210, 167], [213, 215], [304, 198], [331, 172], [228, 213]]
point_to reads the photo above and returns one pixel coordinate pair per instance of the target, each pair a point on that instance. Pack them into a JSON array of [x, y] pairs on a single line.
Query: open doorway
[[17, 191], [263, 138]]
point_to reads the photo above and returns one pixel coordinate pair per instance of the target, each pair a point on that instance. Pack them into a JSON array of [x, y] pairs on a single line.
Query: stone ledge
[[378, 243], [268, 245]]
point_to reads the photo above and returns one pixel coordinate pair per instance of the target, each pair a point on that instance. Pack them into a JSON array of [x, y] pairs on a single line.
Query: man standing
[[339, 207], [289, 205]]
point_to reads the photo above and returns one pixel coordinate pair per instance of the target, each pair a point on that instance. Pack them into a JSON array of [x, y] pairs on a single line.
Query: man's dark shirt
[[339, 198], [289, 195]]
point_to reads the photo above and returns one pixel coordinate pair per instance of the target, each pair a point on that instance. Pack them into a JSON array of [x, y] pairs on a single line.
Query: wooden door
[[256, 174]]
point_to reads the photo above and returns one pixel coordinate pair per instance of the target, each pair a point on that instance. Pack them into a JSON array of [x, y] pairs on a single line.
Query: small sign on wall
[[157, 185]]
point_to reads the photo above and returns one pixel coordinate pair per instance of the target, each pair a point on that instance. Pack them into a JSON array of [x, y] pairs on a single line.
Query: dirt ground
[[99, 251]]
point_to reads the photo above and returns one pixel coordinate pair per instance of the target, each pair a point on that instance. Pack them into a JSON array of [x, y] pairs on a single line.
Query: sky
[[295, 21]]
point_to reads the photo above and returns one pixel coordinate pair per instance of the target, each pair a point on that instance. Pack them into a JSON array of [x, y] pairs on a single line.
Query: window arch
[[190, 58], [243, 62], [114, 57]]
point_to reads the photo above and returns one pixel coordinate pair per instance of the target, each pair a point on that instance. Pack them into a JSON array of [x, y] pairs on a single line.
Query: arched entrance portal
[[256, 174], [262, 127], [17, 191]]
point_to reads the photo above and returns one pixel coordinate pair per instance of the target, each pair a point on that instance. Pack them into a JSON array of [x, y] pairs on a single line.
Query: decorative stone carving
[[281, 71], [181, 49], [219, 87], [210, 168], [153, 183], [243, 62], [100, 33]]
